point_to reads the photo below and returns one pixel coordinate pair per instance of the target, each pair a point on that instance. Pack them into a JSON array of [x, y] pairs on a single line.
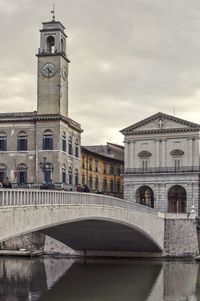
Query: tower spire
[[53, 12]]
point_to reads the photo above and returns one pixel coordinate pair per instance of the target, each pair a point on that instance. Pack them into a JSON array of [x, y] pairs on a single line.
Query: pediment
[[160, 122]]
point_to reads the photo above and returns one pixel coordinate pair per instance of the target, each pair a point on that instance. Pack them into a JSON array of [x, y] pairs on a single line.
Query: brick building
[[45, 144], [102, 167]]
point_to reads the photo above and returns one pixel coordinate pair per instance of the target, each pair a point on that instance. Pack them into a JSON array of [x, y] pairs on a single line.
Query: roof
[[110, 150], [168, 124]]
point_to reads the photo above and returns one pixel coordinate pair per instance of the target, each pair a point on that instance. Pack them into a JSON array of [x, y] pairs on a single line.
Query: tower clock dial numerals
[[48, 70]]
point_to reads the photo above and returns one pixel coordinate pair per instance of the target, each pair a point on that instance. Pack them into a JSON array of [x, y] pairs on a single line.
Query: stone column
[[131, 154], [157, 153], [190, 153], [163, 158], [126, 155]]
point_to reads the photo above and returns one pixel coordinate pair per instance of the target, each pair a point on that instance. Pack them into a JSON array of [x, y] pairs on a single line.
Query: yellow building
[[102, 167]]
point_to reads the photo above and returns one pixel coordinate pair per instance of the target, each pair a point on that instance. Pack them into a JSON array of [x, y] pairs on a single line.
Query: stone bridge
[[83, 221]]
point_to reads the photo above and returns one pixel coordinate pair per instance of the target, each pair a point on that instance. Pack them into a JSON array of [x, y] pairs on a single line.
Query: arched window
[[76, 177], [70, 145], [3, 142], [145, 196], [96, 183], [105, 185], [22, 174], [177, 199], [50, 44], [83, 179], [2, 172], [47, 140], [64, 142], [91, 182], [70, 175], [48, 172], [64, 174], [76, 149], [22, 141], [111, 185]]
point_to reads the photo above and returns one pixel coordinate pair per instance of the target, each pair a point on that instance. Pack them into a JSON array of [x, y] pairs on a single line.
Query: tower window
[[22, 142], [22, 174], [70, 145], [3, 142], [70, 175], [76, 149], [47, 140], [50, 44], [2, 172], [64, 174], [76, 177], [64, 143]]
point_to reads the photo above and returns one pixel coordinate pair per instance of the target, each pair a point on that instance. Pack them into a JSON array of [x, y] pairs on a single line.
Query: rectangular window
[[3, 144], [90, 164], [105, 168], [177, 164], [70, 149], [2, 176], [22, 177], [22, 144], [96, 165], [111, 170], [48, 143], [144, 165], [70, 179], [76, 152], [64, 177], [64, 145]]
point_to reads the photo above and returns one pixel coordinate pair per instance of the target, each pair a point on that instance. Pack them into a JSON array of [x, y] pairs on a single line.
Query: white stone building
[[45, 144], [162, 163]]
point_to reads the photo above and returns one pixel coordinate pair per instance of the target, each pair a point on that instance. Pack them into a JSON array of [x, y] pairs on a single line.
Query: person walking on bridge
[[7, 183]]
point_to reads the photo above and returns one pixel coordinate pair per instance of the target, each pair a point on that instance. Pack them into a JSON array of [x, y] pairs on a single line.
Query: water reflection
[[62, 279]]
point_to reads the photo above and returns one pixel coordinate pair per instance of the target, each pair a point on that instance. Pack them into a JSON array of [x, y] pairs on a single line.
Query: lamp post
[[43, 167]]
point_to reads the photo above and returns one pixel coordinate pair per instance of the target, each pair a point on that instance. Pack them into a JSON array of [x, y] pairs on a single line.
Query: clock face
[[48, 70], [64, 73]]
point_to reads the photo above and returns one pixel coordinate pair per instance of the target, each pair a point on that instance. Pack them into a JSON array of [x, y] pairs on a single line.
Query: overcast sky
[[129, 60]]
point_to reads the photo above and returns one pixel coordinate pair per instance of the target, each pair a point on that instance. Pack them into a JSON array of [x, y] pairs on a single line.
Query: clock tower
[[52, 76]]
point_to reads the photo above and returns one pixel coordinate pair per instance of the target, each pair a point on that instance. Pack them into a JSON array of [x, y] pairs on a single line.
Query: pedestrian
[[78, 188], [7, 183], [50, 185], [44, 185]]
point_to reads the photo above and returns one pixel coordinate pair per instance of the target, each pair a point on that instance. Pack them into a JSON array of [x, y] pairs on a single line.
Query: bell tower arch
[[52, 74]]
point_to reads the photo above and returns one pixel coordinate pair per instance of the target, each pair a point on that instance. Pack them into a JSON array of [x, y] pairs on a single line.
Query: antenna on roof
[[174, 111], [53, 12]]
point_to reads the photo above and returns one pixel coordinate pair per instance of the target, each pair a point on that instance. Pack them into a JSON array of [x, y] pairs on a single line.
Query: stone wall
[[32, 241], [180, 237]]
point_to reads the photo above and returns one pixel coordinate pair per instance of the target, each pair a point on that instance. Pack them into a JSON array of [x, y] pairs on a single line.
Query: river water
[[61, 279]]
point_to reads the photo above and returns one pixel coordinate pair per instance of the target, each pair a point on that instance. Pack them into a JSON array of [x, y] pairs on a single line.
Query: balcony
[[172, 169]]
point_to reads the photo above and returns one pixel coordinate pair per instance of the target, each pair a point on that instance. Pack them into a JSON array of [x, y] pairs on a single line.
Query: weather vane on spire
[[53, 12]]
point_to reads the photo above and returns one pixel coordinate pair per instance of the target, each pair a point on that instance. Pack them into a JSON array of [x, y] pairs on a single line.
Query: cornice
[[162, 131]]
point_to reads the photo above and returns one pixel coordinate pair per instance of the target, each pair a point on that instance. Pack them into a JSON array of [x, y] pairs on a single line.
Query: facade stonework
[[162, 163], [45, 144]]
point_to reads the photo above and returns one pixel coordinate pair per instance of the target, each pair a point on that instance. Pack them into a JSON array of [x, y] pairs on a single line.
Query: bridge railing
[[19, 197]]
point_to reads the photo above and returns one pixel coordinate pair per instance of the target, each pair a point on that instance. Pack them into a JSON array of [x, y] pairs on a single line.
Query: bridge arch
[[67, 212]]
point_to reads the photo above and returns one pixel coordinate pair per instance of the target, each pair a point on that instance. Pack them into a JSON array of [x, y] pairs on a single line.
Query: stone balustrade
[[20, 197]]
